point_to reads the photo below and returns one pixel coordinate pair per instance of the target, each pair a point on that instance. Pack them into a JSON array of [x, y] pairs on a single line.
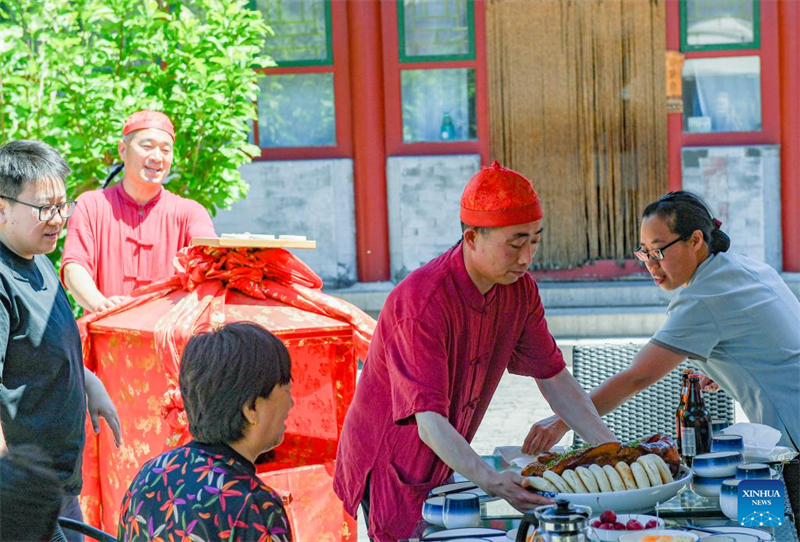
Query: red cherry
[[596, 524], [606, 526], [633, 525], [618, 526], [608, 516], [652, 524]]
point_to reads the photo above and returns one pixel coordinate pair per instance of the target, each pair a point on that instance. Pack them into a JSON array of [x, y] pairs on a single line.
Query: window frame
[[328, 60], [336, 13], [755, 44], [393, 64], [401, 22], [770, 99]]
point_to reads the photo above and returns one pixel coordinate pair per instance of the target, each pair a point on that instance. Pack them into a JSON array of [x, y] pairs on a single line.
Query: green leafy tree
[[71, 71]]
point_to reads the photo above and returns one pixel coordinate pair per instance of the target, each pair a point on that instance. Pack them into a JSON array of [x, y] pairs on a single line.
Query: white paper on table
[[760, 441]]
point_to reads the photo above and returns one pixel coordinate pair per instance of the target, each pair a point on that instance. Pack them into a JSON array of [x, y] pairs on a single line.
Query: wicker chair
[[652, 410]]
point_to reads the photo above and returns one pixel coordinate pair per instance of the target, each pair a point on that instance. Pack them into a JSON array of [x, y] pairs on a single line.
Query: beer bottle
[[695, 423], [681, 405]]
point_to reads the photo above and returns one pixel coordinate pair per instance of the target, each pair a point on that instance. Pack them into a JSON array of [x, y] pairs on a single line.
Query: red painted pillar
[[674, 120], [369, 139], [789, 36]]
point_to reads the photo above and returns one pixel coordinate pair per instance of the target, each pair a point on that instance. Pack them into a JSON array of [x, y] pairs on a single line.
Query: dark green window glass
[[296, 110], [438, 105], [302, 31], [436, 30], [719, 24]]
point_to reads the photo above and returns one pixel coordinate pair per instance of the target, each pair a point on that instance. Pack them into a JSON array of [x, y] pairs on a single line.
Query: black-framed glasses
[[48, 211], [657, 254]]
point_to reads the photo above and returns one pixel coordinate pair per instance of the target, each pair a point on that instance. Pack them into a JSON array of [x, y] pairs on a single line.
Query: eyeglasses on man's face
[[657, 254], [49, 210]]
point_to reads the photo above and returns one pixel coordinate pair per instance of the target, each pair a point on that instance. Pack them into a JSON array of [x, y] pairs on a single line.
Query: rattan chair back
[[650, 411]]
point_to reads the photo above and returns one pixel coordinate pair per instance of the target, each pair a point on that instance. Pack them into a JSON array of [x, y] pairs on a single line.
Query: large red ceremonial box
[[123, 355]]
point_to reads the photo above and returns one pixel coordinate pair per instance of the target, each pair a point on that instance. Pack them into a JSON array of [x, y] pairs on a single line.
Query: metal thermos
[[561, 522]]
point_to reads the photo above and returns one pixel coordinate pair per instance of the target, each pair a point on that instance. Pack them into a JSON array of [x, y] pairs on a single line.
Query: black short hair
[[480, 229], [24, 161], [684, 212], [224, 370], [30, 494]]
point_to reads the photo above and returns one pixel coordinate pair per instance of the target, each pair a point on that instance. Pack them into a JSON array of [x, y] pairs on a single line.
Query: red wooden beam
[[789, 36], [674, 120], [369, 148]]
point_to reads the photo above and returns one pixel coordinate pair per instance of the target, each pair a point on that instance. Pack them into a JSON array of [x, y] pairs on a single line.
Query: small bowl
[[729, 498], [717, 464], [612, 536], [753, 471], [461, 510], [727, 443], [707, 487], [677, 536], [433, 510]]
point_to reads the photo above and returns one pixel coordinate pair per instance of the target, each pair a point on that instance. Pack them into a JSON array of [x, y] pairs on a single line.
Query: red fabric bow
[[207, 273]]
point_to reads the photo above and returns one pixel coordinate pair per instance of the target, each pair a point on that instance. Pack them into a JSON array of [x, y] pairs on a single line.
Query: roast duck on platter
[[609, 453]]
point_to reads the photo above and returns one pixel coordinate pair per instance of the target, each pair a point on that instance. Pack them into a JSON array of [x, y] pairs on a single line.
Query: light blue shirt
[[738, 318]]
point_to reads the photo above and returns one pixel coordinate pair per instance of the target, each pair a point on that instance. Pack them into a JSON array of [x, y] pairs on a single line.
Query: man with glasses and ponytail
[[126, 236], [44, 387], [733, 314]]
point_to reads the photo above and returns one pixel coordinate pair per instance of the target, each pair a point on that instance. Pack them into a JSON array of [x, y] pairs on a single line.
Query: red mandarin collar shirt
[[440, 346], [124, 245]]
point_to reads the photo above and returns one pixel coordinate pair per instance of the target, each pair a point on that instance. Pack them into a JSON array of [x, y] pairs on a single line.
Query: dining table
[[686, 510]]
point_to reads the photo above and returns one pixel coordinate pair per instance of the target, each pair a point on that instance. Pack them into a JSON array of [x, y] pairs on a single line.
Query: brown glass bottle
[[695, 423], [681, 405]]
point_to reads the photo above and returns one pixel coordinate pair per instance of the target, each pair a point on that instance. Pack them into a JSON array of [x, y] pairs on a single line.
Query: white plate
[[480, 532], [450, 488], [461, 487], [632, 500], [635, 536], [733, 529]]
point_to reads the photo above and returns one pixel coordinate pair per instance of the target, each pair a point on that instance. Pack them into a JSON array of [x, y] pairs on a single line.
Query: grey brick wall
[[424, 194], [743, 186], [302, 197]]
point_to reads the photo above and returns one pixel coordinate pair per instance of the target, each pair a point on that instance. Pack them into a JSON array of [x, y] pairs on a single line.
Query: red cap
[[148, 119], [496, 197]]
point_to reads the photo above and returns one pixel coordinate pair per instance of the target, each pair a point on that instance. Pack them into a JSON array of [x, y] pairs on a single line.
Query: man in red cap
[[444, 338], [125, 236]]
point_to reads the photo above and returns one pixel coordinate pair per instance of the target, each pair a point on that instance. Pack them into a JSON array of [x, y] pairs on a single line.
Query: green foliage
[[71, 71]]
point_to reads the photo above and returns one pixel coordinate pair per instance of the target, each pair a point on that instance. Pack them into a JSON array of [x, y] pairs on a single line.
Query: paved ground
[[516, 405]]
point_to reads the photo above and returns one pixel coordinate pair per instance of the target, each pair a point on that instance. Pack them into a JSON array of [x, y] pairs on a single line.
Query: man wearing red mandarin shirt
[[126, 236], [444, 337]]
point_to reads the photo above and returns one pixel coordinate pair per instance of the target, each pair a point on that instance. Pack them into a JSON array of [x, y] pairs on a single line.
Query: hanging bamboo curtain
[[577, 103]]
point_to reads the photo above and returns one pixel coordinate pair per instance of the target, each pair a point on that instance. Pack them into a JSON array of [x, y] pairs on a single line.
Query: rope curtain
[[577, 102]]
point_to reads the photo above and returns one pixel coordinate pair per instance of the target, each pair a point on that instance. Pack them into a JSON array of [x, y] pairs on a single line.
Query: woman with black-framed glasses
[[733, 314]]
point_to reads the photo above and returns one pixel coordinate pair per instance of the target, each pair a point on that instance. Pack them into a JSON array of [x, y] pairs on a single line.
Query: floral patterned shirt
[[201, 492]]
